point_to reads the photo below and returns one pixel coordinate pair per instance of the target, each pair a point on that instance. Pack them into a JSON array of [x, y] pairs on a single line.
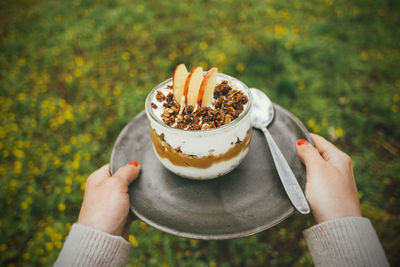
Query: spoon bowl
[[263, 111]]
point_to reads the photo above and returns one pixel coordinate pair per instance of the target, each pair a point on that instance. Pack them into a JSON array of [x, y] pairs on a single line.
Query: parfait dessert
[[200, 122]]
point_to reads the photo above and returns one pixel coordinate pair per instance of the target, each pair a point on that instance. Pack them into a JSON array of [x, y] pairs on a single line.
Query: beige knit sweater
[[348, 241]]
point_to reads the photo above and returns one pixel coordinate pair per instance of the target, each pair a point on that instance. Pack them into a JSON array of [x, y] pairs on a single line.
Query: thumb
[[128, 173], [307, 153]]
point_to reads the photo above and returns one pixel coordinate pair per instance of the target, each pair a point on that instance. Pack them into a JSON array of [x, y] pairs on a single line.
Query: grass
[[73, 73]]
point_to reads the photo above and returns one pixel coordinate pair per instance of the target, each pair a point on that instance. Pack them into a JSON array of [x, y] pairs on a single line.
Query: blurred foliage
[[73, 73]]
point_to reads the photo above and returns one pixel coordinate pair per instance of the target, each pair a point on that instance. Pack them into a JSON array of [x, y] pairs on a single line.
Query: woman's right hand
[[330, 187]]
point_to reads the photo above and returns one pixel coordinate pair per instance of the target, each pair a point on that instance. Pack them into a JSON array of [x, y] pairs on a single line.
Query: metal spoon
[[261, 116]]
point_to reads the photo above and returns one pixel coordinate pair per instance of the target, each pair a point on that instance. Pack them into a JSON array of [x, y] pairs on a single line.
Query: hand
[[105, 205], [330, 187]]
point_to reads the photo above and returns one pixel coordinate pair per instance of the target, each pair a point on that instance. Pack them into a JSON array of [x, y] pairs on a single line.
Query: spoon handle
[[288, 179]]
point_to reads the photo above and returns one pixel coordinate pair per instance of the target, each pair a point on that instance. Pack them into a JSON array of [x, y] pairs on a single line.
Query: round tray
[[243, 202]]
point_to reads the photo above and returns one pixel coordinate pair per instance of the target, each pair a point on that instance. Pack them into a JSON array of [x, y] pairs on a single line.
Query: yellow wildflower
[[3, 247], [24, 205], [395, 108], [29, 189], [395, 98], [93, 83], [364, 55], [26, 256], [97, 37], [79, 61], [87, 156], [66, 149], [2, 171], [240, 67], [133, 241], [203, 45], [83, 186], [68, 79], [140, 8], [17, 167], [126, 56], [339, 132], [297, 4], [61, 206], [132, 73], [143, 226], [58, 244], [73, 140], [68, 181], [77, 73], [173, 55], [14, 127], [204, 65], [188, 253], [271, 11], [116, 90], [49, 246], [289, 45], [13, 182], [67, 189], [57, 162], [18, 153], [21, 62], [187, 51], [311, 123], [3, 132], [21, 96]]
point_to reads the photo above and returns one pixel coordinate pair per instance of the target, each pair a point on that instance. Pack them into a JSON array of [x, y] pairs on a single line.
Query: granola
[[227, 104]]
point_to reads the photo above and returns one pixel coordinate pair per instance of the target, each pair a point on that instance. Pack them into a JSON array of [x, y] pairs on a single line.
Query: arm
[[342, 237], [97, 238]]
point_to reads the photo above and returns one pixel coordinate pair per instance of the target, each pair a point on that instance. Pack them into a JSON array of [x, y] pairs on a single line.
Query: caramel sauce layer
[[164, 150]]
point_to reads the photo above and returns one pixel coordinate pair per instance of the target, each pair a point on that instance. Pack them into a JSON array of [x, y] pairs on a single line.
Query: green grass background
[[73, 73]]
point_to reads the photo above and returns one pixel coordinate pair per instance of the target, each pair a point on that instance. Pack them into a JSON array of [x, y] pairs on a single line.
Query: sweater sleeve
[[86, 246], [350, 241]]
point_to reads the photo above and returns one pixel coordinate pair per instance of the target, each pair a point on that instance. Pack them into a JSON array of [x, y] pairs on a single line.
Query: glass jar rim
[[246, 111]]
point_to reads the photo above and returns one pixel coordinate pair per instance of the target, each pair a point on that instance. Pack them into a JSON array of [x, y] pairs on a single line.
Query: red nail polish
[[302, 142], [135, 163]]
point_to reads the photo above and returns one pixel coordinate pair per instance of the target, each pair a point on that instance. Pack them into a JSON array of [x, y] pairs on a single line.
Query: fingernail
[[135, 163], [302, 142]]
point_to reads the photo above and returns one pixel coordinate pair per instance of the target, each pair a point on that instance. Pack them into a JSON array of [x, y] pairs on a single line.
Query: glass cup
[[201, 154]]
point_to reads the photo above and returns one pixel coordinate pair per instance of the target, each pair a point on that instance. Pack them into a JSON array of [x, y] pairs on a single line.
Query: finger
[[307, 153], [128, 173], [99, 175], [322, 144]]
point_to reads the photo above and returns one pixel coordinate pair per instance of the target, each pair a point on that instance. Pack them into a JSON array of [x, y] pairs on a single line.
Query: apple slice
[[207, 86], [192, 85], [178, 81]]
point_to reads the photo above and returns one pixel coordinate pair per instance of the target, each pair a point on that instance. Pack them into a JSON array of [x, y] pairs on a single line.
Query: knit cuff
[[350, 241], [86, 246]]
